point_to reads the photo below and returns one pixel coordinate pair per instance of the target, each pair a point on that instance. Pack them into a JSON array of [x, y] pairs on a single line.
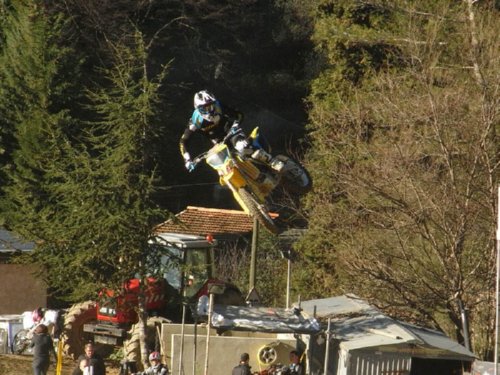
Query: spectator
[[156, 368], [295, 365], [90, 363], [42, 348], [242, 368]]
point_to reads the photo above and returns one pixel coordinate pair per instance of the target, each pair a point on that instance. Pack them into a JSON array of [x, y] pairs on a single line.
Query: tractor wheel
[[73, 337], [132, 346], [258, 210]]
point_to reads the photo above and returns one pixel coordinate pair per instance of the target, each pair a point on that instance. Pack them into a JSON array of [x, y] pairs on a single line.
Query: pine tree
[[37, 101], [109, 209]]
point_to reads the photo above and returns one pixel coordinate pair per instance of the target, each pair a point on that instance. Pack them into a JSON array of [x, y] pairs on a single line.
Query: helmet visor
[[206, 109]]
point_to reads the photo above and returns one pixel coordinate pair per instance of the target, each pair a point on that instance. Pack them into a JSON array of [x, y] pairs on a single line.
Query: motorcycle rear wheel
[[295, 178], [21, 342], [258, 211]]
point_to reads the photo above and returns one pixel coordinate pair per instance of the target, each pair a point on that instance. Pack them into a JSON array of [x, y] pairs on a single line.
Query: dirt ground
[[11, 364]]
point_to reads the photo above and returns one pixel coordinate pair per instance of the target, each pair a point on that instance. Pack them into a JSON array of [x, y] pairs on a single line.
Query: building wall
[[376, 363], [20, 290], [224, 351]]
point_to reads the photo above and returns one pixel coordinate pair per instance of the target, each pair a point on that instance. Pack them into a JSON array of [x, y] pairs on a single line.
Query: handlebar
[[231, 133], [200, 158]]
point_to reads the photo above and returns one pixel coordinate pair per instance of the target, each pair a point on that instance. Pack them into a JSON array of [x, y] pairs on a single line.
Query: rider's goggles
[[206, 109]]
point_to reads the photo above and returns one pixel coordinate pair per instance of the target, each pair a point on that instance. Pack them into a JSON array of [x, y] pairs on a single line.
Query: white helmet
[[204, 102], [155, 356]]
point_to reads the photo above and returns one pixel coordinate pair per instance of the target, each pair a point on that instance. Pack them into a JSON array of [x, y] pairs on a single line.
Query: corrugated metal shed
[[358, 325], [369, 342]]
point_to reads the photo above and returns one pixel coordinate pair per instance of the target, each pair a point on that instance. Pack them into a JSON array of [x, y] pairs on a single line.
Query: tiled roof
[[202, 221]]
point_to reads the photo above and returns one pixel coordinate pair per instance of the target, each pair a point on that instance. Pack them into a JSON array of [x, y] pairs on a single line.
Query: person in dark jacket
[[90, 362], [295, 367], [243, 368], [43, 347]]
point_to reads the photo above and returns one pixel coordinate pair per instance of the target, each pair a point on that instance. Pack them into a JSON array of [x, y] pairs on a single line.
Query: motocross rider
[[215, 121]]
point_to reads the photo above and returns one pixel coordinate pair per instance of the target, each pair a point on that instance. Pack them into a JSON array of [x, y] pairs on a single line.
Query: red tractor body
[[110, 320]]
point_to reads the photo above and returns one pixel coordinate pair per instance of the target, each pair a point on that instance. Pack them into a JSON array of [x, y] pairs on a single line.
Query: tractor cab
[[186, 261]]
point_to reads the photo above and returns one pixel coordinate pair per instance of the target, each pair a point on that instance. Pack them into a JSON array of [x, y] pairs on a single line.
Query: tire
[[258, 211], [295, 178], [132, 346], [21, 342], [73, 337]]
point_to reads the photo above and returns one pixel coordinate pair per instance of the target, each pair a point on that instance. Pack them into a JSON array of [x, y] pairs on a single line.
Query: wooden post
[[327, 348], [210, 307], [253, 257]]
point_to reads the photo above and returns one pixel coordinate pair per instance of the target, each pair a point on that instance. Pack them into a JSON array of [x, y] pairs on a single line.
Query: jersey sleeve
[[185, 140]]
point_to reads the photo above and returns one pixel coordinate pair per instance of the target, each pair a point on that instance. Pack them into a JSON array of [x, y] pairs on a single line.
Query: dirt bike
[[22, 339], [252, 181]]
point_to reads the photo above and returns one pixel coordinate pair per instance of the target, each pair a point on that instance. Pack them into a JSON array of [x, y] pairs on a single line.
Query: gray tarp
[[263, 319]]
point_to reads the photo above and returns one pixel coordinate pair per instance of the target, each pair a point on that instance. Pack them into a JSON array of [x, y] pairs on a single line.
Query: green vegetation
[[404, 124], [395, 104]]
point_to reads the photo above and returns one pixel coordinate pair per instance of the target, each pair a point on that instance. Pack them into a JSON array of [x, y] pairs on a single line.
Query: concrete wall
[[224, 351], [20, 290]]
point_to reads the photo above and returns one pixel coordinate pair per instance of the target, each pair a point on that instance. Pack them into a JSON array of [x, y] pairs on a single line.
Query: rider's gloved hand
[[235, 128], [190, 165], [241, 145]]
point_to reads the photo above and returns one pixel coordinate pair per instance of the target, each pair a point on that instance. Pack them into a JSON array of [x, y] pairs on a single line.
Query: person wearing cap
[[242, 368], [156, 368]]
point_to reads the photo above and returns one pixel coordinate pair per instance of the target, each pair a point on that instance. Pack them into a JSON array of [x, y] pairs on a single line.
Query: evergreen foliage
[[80, 188], [108, 213], [404, 125], [37, 76], [403, 111]]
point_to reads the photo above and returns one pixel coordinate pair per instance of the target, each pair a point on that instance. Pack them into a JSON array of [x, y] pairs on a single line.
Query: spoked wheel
[[20, 344], [258, 211]]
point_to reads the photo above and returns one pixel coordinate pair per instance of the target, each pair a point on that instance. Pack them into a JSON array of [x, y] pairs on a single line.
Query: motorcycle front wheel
[[258, 211]]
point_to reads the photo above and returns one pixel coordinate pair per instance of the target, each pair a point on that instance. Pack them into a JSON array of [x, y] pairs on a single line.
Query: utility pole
[[210, 309], [327, 347], [497, 283], [253, 257], [288, 278]]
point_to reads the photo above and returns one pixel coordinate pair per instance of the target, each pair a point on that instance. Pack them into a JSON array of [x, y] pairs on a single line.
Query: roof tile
[[202, 221]]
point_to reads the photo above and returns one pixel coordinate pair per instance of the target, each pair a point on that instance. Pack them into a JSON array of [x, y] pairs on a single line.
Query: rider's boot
[[265, 157]]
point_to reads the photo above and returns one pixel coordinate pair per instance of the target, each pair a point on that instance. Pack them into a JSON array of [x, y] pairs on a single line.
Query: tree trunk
[[142, 323]]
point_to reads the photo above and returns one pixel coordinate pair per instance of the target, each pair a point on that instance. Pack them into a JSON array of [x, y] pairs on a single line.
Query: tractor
[[110, 322]]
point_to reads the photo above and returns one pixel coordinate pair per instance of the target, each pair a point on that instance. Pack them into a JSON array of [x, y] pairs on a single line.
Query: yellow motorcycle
[[252, 181]]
